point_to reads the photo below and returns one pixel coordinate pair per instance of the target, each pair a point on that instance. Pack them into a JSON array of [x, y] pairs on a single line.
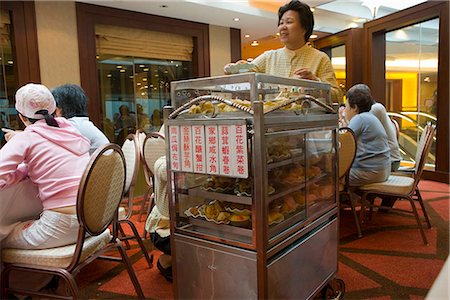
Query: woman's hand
[[305, 73], [9, 133]]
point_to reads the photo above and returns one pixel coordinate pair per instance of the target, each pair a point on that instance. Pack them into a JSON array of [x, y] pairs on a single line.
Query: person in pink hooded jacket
[[51, 155]]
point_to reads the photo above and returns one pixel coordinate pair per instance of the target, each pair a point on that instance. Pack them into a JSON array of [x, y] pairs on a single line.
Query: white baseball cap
[[33, 97]]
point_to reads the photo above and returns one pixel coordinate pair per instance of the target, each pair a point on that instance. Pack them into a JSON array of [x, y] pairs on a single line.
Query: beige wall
[[58, 42], [220, 50]]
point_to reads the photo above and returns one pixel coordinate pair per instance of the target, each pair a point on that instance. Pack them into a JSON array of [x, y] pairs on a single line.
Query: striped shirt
[[284, 62]]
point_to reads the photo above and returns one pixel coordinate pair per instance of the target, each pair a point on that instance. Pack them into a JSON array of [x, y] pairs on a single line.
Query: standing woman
[[50, 154], [297, 58]]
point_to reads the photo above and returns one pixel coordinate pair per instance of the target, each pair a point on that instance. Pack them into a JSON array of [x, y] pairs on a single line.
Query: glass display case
[[252, 166]]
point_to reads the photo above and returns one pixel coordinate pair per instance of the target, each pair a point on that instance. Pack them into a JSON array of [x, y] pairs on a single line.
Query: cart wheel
[[335, 289]]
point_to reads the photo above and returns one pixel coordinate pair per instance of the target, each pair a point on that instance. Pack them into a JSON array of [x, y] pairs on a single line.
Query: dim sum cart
[[252, 169]]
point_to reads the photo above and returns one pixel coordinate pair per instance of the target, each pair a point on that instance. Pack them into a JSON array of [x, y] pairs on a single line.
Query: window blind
[[117, 40]]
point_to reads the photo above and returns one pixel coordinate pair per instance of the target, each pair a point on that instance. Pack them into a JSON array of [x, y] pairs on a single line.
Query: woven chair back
[[154, 148], [347, 150], [428, 135], [101, 189], [130, 149], [397, 128]]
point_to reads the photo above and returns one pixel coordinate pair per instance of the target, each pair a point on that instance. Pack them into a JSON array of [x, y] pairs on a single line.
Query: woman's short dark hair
[[360, 96], [304, 13], [72, 100]]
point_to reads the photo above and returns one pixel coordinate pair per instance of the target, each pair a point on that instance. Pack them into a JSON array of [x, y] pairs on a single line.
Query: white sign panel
[[226, 137], [186, 144], [212, 149], [199, 144], [240, 155], [174, 138]]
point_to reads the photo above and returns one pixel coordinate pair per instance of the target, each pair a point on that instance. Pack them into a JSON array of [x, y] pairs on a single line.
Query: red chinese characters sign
[[186, 149], [174, 150], [210, 149], [198, 137]]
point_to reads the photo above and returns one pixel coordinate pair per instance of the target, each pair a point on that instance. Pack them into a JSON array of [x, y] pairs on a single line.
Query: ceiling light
[[313, 36], [109, 75], [278, 34], [146, 86], [119, 67], [427, 79], [360, 20], [236, 19], [138, 83], [146, 69], [142, 94], [144, 79], [312, 9], [156, 75], [141, 66], [131, 76], [254, 43], [171, 61], [97, 56], [122, 71], [247, 35], [10, 62]]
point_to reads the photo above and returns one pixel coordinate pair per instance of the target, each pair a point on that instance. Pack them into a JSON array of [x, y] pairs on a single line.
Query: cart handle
[[306, 99], [197, 100]]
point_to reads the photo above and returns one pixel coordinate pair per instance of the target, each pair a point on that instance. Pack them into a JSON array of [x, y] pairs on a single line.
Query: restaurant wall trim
[[219, 38], [89, 15], [58, 44]]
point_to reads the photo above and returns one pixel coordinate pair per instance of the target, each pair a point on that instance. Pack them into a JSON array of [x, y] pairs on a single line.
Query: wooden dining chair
[[346, 154], [100, 192], [154, 148], [148, 195], [403, 187], [130, 149]]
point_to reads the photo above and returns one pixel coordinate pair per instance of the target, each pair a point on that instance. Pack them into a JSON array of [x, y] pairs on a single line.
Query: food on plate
[[240, 220], [194, 211], [289, 205], [219, 183], [213, 209], [313, 171], [275, 217], [299, 197], [223, 216]]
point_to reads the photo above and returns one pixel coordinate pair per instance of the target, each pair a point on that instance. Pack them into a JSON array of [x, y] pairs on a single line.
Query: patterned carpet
[[389, 262]]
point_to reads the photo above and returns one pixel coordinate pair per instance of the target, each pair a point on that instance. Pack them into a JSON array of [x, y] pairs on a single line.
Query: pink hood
[[65, 136]]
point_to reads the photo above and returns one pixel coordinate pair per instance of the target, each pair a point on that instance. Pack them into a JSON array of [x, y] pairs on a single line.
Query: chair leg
[[149, 209], [141, 210], [123, 235], [419, 222], [72, 284], [355, 215], [363, 207], [148, 258], [127, 262], [425, 214]]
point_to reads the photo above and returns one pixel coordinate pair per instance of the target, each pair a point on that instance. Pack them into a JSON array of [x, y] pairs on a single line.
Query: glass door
[[411, 83]]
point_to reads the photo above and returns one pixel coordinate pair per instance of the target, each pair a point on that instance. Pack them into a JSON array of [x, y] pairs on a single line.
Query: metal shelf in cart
[[252, 167]]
